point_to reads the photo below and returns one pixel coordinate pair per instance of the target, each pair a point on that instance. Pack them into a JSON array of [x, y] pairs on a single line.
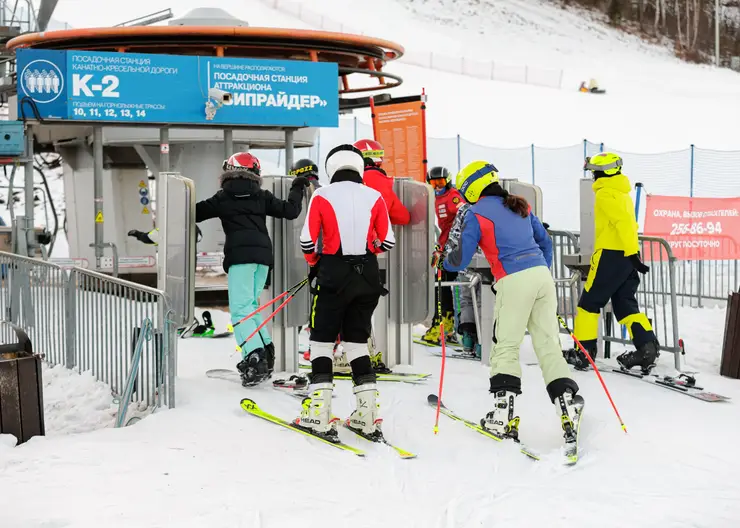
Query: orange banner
[[400, 126], [695, 228]]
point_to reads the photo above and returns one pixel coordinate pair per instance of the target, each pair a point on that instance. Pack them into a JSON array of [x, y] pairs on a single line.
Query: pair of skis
[[684, 383], [252, 408], [570, 450]]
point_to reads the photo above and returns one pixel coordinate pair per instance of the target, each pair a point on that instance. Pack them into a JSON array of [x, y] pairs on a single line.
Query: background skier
[[446, 202], [614, 267]]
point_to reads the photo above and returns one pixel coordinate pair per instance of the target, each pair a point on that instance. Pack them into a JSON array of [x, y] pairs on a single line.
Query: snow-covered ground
[[207, 463], [75, 403]]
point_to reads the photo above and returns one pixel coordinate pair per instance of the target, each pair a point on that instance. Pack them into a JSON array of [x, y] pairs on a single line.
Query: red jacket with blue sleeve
[[446, 206], [509, 242]]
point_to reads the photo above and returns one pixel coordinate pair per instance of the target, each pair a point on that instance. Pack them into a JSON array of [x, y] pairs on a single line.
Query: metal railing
[[89, 321], [657, 297], [568, 291]]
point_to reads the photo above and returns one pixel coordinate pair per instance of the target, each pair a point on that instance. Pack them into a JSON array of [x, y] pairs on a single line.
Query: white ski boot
[[569, 408], [364, 419], [316, 413], [501, 421], [341, 365]]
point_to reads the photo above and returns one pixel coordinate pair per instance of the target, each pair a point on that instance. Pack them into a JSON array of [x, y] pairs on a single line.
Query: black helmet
[[305, 167], [436, 173]]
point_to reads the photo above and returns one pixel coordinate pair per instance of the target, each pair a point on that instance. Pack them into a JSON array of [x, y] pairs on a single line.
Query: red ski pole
[[588, 356], [267, 319], [231, 327], [444, 348]]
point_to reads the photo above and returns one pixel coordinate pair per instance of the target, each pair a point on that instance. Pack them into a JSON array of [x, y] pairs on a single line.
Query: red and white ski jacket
[[351, 218]]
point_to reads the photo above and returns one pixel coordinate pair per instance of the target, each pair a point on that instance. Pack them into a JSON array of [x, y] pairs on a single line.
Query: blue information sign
[[147, 88]]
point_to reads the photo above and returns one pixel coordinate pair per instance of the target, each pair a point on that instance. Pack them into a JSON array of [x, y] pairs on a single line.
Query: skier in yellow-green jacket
[[615, 264]]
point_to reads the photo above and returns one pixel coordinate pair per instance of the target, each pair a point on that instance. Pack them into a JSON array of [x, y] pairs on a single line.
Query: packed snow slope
[[654, 102], [209, 464]]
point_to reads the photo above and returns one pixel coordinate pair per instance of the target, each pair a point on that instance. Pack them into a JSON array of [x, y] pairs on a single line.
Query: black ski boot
[[575, 357], [645, 357], [253, 368], [205, 329], [270, 356]]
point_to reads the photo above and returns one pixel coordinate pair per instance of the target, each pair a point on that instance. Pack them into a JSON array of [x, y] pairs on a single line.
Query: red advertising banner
[[695, 228], [400, 126]]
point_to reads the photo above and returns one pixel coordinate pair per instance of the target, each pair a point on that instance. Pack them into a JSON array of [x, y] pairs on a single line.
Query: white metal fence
[[89, 321]]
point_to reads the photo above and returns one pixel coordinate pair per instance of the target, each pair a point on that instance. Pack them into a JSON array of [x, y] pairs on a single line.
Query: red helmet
[[242, 161], [372, 151]]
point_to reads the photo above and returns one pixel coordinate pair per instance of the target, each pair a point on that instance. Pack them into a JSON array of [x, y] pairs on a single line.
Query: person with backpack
[[242, 206]]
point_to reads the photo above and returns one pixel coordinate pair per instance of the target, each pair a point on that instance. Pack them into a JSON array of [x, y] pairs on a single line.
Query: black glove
[[313, 272], [638, 265], [301, 182], [198, 234], [140, 236], [546, 226]]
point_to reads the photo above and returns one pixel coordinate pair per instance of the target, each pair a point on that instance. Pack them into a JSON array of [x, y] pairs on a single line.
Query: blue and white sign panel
[[148, 88]]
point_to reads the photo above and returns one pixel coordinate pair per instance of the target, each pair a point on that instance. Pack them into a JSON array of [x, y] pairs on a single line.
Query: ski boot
[[253, 368], [568, 407], [364, 419], [206, 329], [376, 358], [468, 342], [341, 365], [501, 421], [478, 351], [270, 356], [432, 335], [645, 357], [316, 415], [576, 357]]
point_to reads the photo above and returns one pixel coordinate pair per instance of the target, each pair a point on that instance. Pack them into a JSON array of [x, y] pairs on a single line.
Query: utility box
[[21, 386], [12, 139], [581, 261], [730, 364]]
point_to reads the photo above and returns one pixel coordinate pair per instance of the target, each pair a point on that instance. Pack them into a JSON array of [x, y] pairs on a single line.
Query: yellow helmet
[[476, 176], [606, 162]]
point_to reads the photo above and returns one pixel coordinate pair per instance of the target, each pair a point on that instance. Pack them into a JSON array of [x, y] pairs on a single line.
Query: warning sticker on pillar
[[164, 148], [145, 210], [142, 184], [400, 126], [99, 217], [695, 228]]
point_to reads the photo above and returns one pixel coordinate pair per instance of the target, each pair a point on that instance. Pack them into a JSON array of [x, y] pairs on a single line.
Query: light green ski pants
[[526, 300]]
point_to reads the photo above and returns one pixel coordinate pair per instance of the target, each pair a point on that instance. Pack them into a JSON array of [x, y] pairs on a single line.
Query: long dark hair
[[513, 202]]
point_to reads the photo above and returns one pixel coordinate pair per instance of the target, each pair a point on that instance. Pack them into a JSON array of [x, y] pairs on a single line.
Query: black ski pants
[[347, 292]]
